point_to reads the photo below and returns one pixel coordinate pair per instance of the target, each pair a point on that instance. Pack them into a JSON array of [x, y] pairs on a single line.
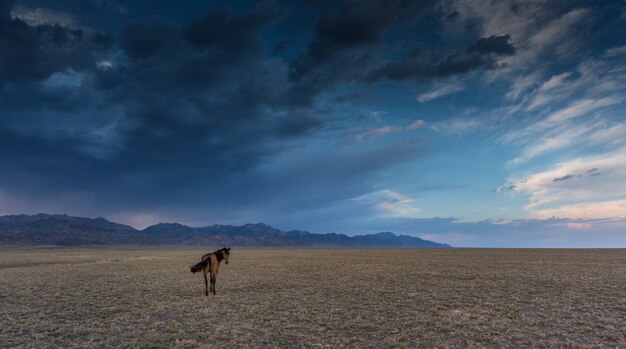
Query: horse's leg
[[206, 282], [213, 282], [214, 275]]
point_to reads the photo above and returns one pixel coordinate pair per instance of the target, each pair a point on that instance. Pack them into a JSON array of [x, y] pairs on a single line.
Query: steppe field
[[314, 298]]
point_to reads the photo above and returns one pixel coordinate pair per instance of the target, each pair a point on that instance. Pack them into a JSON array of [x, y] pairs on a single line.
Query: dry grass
[[314, 298]]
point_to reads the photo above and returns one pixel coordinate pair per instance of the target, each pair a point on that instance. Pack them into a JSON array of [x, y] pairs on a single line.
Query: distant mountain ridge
[[64, 230]]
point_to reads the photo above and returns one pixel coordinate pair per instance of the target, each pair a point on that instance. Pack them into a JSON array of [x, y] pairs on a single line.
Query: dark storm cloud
[[168, 109], [205, 90], [351, 45], [346, 97], [281, 46], [354, 24], [496, 44], [220, 28], [36, 52], [177, 106], [143, 40], [426, 67], [349, 40]]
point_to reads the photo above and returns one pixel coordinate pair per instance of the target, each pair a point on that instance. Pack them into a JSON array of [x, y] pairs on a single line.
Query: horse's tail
[[196, 268]]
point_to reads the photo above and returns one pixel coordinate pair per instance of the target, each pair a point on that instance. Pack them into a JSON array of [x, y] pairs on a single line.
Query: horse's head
[[226, 254]]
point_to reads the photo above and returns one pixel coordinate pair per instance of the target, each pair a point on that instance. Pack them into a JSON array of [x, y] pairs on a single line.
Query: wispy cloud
[[416, 124], [523, 83], [582, 135], [390, 204], [377, 132], [556, 30], [593, 79], [552, 89], [615, 51], [574, 110], [555, 81], [440, 91], [579, 108], [365, 135], [594, 210], [458, 125], [586, 187]]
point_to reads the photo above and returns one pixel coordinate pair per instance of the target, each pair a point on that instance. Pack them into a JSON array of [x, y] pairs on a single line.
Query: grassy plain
[[94, 298]]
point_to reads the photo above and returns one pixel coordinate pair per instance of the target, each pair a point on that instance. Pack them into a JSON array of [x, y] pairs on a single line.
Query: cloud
[[440, 91], [583, 188], [615, 51], [537, 31], [427, 66], [173, 110], [210, 116], [416, 124], [592, 78], [552, 89], [385, 130], [457, 125], [377, 132], [521, 84], [351, 46], [594, 210], [592, 89], [550, 135], [234, 33], [579, 226], [345, 97], [390, 204], [564, 178], [505, 188], [342, 32], [44, 48], [104, 64], [555, 81], [572, 113], [559, 138], [497, 18], [42, 16], [579, 108], [495, 44], [558, 29]]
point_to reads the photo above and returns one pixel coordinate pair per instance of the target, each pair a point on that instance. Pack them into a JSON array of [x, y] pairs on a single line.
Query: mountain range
[[64, 230]]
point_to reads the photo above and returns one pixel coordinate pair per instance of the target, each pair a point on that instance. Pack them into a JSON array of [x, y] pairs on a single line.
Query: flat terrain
[[314, 298]]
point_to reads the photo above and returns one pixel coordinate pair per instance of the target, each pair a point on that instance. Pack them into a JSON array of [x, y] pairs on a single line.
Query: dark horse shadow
[[210, 263]]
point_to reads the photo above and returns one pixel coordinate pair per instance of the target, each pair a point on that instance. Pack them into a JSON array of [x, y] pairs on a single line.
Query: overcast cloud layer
[[468, 122]]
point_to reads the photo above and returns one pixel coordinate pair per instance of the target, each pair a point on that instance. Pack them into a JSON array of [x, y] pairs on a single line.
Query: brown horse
[[210, 263]]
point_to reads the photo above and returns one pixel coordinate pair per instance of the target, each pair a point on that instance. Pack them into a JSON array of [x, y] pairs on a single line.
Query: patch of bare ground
[[314, 298]]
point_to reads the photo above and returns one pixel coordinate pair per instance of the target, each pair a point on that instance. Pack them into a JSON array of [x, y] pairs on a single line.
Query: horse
[[210, 263]]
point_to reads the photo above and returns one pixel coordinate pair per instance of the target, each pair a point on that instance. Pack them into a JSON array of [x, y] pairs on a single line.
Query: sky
[[475, 123]]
